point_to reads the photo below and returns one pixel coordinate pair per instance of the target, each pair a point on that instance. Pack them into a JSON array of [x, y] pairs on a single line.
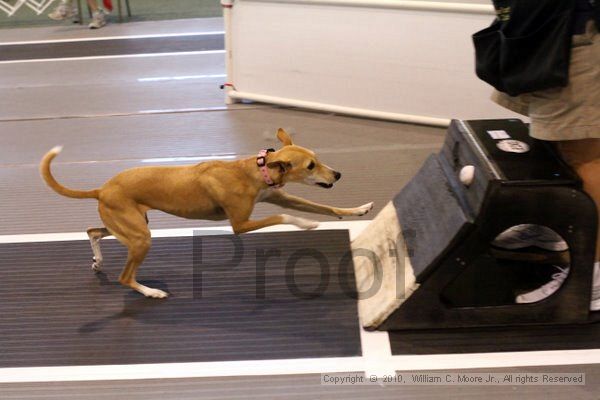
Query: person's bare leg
[[93, 4], [584, 157], [98, 15]]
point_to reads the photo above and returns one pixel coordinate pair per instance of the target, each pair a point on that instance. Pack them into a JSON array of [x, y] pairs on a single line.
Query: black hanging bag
[[527, 48]]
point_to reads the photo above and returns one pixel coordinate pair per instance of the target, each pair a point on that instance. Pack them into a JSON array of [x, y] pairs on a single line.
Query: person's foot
[[98, 19], [526, 235], [557, 280], [63, 11], [545, 290]]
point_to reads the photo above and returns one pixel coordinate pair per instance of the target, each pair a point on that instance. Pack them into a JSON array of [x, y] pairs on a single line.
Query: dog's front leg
[[252, 225], [239, 212], [241, 222], [283, 199]]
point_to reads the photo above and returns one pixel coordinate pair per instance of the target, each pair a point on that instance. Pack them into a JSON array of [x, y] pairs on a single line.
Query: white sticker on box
[[499, 134], [513, 146]]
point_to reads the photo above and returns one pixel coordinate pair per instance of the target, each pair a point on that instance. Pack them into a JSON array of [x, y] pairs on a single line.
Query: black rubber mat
[[223, 305], [90, 48], [536, 338]]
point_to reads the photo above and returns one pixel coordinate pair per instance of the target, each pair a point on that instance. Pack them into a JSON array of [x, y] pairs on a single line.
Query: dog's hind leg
[[95, 235], [129, 226]]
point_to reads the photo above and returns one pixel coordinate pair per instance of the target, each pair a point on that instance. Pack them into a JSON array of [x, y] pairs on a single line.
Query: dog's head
[[298, 164]]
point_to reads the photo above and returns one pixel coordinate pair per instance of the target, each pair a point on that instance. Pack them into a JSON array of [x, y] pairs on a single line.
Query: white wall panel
[[405, 61]]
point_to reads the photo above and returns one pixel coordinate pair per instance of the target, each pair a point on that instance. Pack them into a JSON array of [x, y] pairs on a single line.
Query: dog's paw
[[96, 265], [364, 209], [301, 223], [308, 224], [154, 293]]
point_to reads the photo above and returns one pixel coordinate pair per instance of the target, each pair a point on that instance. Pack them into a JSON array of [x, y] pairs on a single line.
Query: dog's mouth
[[325, 185]]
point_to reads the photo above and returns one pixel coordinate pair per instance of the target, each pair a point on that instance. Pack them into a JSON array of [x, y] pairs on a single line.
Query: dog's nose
[[337, 175]]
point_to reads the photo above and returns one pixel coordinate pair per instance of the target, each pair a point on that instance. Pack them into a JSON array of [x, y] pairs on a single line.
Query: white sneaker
[[526, 235], [64, 11], [557, 280], [595, 303], [98, 19], [545, 290]]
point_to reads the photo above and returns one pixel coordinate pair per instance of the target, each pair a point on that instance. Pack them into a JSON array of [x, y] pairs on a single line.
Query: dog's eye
[[311, 165]]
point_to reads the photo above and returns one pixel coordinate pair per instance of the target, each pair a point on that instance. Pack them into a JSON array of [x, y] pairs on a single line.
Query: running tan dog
[[214, 190]]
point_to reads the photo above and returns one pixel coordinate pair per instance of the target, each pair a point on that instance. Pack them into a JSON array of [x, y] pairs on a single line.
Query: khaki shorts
[[571, 112]]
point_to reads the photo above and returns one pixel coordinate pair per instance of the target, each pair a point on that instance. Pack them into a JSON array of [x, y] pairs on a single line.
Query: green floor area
[[32, 13]]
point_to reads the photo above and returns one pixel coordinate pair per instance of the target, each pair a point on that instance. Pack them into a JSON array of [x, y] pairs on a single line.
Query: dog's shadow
[[136, 305], [193, 313]]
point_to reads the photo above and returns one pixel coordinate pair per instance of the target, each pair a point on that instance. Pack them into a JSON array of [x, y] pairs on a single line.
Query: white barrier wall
[[401, 60]]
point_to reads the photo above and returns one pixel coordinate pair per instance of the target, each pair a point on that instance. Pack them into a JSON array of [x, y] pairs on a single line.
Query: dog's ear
[[284, 137], [281, 164]]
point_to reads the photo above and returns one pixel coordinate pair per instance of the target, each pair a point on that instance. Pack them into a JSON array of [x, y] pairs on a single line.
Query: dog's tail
[[57, 187]]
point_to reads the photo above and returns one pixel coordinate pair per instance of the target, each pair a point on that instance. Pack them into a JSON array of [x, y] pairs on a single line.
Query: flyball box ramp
[[425, 261]]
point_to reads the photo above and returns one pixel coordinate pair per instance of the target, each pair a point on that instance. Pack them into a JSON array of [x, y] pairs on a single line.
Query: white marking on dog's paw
[[301, 223], [96, 264], [308, 224], [154, 293], [362, 210]]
